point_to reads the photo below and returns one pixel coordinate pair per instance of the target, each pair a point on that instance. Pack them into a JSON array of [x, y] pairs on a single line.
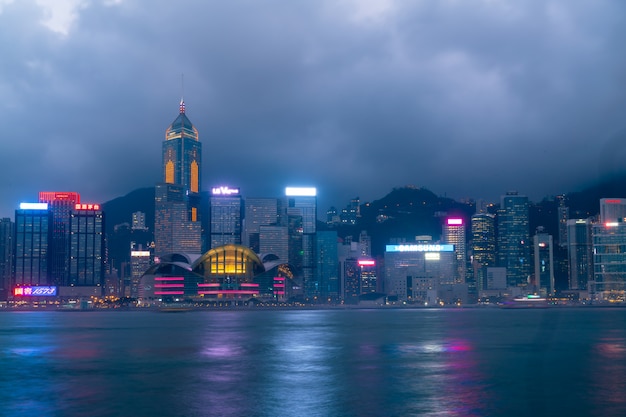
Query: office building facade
[[580, 253], [33, 230], [454, 234], [302, 218], [177, 199], [483, 247], [226, 212], [514, 238], [86, 247]]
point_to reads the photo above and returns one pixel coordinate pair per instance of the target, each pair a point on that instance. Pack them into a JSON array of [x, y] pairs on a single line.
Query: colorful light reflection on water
[[339, 363]]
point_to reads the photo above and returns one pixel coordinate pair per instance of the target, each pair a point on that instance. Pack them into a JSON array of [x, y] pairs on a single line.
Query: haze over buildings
[[466, 99]]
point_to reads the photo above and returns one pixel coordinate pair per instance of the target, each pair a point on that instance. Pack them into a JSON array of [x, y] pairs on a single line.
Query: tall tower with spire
[[182, 153], [177, 198]]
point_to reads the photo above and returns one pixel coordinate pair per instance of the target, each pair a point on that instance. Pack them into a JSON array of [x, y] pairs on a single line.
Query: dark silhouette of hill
[[586, 203], [403, 214], [120, 210]]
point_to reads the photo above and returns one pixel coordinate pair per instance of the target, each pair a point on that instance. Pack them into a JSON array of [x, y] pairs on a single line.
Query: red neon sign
[[80, 206]]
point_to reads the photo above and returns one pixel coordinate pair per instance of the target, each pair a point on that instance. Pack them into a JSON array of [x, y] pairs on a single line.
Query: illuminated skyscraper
[[33, 229], [60, 205], [483, 247], [514, 238], [544, 263], [580, 253], [609, 261], [177, 199], [302, 213], [274, 240], [454, 234], [173, 231], [6, 256], [327, 265], [612, 209], [226, 214], [182, 154], [260, 212], [86, 247]]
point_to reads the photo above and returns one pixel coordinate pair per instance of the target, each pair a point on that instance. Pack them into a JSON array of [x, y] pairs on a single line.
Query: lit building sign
[[33, 206], [419, 248], [613, 201], [57, 196], [432, 256], [366, 262], [301, 191], [139, 253], [79, 206], [224, 191], [455, 222], [38, 291]]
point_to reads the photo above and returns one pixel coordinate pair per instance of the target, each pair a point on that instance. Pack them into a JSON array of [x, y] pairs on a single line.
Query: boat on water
[[527, 301], [175, 308]]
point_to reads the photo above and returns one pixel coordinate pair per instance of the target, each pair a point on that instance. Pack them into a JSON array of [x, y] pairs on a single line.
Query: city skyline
[[354, 98]]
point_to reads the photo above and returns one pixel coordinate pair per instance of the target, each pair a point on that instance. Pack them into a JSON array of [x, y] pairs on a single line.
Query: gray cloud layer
[[354, 97]]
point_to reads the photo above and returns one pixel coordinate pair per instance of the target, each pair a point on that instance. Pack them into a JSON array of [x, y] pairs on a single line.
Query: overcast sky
[[355, 97]]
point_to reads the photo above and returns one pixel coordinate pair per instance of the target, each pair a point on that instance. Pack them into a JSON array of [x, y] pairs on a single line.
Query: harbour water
[[413, 362]]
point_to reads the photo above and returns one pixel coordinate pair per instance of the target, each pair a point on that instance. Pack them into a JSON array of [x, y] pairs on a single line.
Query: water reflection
[[339, 363]]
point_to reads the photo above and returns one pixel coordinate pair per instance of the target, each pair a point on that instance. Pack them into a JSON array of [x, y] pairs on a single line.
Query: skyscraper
[[86, 247], [609, 261], [612, 209], [33, 224], [226, 215], [544, 262], [173, 231], [182, 153], [177, 199], [454, 234], [327, 265], [514, 238], [260, 212], [302, 213], [580, 253], [6, 256], [483, 247], [60, 205]]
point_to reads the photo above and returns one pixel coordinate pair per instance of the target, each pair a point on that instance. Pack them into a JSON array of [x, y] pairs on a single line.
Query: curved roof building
[[228, 271]]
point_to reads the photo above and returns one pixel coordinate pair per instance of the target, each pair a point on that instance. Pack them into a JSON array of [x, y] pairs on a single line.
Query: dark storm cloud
[[354, 97]]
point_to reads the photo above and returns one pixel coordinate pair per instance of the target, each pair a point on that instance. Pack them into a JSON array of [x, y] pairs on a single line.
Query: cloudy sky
[[355, 97]]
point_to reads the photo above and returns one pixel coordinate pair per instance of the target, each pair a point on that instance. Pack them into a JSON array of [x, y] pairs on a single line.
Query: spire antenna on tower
[[182, 93]]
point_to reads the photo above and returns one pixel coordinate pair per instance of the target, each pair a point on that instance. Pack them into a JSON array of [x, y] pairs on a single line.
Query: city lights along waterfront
[[398, 362]]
